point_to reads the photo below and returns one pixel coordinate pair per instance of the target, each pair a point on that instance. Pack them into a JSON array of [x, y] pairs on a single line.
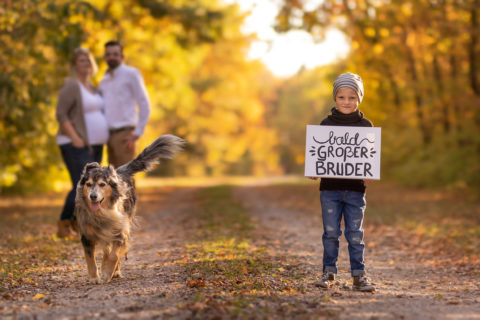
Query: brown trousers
[[118, 151]]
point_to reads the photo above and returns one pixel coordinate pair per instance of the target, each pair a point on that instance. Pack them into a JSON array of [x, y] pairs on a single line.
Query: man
[[123, 90]]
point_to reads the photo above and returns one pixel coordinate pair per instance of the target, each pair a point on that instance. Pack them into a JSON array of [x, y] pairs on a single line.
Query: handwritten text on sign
[[343, 152]]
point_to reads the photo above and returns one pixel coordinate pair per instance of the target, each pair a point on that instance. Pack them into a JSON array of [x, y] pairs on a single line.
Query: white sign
[[343, 152]]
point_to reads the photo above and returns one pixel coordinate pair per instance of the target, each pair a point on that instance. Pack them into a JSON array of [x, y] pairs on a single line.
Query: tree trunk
[[441, 92], [397, 100], [457, 111], [426, 137], [473, 57]]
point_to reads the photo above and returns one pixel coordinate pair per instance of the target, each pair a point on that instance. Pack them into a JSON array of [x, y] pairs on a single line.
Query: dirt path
[[152, 285], [408, 285], [159, 282]]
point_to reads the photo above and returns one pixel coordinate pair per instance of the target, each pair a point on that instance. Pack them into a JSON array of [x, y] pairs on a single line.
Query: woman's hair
[[73, 59]]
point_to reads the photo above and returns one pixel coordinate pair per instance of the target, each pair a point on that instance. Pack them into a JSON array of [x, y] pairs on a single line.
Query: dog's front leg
[[89, 249], [112, 260], [106, 252], [118, 272]]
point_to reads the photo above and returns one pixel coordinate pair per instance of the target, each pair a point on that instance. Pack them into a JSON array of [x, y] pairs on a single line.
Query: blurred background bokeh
[[420, 62]]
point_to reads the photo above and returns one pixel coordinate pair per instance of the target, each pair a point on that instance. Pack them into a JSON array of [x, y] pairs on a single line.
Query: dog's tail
[[165, 147]]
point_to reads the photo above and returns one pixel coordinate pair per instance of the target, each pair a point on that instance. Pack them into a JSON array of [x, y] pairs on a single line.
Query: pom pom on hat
[[350, 80]]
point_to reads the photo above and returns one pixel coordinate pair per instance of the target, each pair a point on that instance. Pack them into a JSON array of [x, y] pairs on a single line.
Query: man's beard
[[112, 64]]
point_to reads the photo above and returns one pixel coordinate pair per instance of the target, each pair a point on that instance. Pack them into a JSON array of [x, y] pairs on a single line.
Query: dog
[[105, 206]]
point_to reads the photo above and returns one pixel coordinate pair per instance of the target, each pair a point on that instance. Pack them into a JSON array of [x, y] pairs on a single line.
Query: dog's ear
[[88, 167], [111, 169], [115, 192], [114, 184], [111, 173]]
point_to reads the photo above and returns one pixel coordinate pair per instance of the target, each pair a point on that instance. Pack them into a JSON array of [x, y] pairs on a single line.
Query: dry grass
[[28, 245]]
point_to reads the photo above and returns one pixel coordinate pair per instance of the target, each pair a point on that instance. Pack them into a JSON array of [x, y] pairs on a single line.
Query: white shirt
[[97, 128], [93, 106], [122, 92]]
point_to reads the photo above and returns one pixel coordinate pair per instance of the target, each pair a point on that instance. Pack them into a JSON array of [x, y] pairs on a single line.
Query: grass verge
[[228, 275], [29, 248]]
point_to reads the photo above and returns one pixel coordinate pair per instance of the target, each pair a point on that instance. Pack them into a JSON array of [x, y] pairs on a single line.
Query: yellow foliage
[[384, 32], [406, 9], [444, 45], [378, 48], [300, 159], [116, 9], [254, 111], [428, 57], [7, 178], [411, 39], [370, 32]]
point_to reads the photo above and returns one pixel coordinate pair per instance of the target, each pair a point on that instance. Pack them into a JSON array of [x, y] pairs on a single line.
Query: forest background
[[420, 62]]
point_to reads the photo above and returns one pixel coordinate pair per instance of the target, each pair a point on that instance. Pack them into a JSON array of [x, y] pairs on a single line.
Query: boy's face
[[346, 100]]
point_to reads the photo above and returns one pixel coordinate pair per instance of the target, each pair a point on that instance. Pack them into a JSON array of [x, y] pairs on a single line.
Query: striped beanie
[[350, 80]]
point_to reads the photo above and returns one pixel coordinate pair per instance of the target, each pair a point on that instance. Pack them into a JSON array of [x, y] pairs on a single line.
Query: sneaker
[[362, 283], [326, 280]]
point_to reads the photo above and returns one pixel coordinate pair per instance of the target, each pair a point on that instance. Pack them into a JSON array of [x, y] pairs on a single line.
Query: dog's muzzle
[[94, 202]]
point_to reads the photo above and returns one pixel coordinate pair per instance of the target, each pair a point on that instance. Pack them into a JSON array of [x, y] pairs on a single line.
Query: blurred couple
[[115, 114]]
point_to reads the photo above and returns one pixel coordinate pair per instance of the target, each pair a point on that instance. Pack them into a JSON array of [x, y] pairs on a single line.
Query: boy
[[344, 196]]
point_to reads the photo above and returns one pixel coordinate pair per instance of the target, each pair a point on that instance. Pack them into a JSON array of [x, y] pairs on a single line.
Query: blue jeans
[[75, 159], [351, 205]]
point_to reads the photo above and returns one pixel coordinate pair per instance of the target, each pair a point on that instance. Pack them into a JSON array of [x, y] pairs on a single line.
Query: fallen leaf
[[454, 302], [199, 306], [38, 296], [196, 283], [7, 296]]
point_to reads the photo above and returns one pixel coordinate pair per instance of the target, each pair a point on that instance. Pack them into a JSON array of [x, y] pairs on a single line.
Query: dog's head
[[99, 186]]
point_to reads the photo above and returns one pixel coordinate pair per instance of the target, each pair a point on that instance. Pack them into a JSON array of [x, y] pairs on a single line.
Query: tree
[[36, 38], [191, 54], [419, 63]]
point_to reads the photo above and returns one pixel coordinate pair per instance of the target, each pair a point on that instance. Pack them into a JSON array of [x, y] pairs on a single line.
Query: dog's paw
[[94, 280], [106, 278]]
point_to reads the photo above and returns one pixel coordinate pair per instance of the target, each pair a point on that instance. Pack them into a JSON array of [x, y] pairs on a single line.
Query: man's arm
[[143, 102]]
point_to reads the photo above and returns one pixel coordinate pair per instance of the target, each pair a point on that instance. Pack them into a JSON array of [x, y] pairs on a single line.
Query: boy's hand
[[313, 178]]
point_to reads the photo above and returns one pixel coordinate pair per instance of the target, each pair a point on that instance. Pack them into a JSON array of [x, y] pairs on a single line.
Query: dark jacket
[[355, 119]]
